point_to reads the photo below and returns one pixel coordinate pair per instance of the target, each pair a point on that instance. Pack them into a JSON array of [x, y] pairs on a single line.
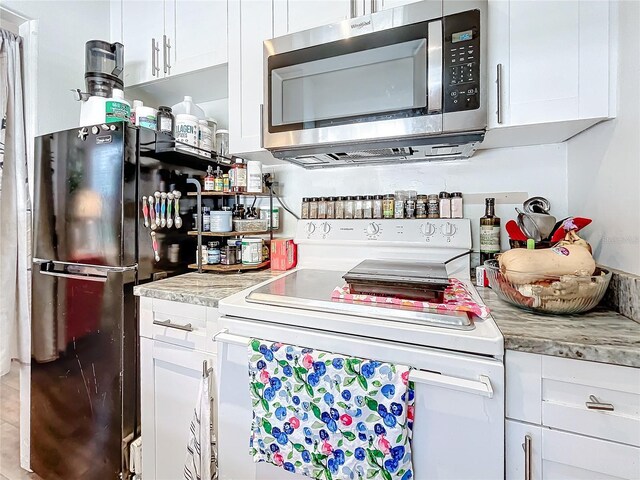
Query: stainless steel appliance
[[399, 85], [90, 249]]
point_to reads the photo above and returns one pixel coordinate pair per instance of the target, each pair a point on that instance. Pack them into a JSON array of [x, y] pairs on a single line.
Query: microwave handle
[[434, 67]]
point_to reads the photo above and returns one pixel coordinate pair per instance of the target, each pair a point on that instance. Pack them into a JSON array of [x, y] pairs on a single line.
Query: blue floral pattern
[[328, 416]]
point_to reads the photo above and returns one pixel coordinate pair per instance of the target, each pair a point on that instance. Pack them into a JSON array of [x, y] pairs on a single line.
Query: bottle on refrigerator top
[[117, 109], [205, 141], [165, 120], [209, 180], [188, 107], [489, 232], [186, 132], [239, 169], [134, 108]]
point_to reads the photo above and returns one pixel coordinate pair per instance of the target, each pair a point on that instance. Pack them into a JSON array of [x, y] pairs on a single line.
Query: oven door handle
[[482, 386]]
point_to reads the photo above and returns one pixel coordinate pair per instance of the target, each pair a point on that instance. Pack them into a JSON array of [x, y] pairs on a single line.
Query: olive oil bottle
[[489, 232]]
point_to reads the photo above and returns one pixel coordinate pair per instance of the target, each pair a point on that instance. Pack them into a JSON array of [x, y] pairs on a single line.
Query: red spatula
[[514, 231], [578, 222]]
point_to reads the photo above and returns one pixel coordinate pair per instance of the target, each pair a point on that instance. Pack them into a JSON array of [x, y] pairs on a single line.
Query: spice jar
[[377, 206], [331, 207], [433, 206], [305, 208], [400, 199], [358, 207], [340, 207], [228, 255], [421, 206], [322, 207], [213, 253], [456, 205], [313, 208], [410, 204], [367, 207], [238, 178], [388, 205], [225, 182], [445, 205], [349, 207]]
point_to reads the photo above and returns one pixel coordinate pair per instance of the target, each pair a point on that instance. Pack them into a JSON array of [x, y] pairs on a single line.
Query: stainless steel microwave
[[400, 85]]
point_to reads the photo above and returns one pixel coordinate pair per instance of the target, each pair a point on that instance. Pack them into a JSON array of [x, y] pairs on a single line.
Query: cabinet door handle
[[595, 404], [167, 323], [164, 53], [352, 9], [499, 92], [153, 57], [373, 6], [167, 54], [526, 446]]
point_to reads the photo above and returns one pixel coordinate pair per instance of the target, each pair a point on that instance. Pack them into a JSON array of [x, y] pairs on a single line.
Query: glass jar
[[213, 253], [456, 205], [165, 120], [222, 143], [358, 207], [421, 206], [400, 199], [228, 255], [377, 206], [225, 182], [388, 205], [410, 204], [239, 175], [433, 206], [322, 207], [340, 207], [238, 211], [313, 208], [331, 207], [349, 207], [445, 205], [367, 207], [305, 208], [206, 219]]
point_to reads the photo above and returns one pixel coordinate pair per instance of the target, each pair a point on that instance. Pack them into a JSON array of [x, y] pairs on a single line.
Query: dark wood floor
[[10, 428]]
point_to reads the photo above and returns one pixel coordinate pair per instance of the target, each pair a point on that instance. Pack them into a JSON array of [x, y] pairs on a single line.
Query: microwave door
[[386, 83]]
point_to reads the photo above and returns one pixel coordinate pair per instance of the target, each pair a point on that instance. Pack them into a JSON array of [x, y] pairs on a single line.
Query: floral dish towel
[[329, 416], [456, 298]]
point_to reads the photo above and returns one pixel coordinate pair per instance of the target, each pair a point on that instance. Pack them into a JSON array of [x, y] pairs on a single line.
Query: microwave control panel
[[462, 61]]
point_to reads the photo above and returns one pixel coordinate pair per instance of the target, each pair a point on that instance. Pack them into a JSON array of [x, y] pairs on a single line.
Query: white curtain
[[14, 203]]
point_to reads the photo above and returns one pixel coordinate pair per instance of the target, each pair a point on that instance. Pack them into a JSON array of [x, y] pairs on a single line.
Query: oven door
[[459, 412], [386, 83]]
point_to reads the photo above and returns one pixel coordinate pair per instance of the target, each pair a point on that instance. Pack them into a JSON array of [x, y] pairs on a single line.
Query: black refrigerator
[[90, 248]]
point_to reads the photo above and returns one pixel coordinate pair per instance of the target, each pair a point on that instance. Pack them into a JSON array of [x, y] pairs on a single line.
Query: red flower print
[[346, 419], [294, 422], [410, 412], [327, 448], [307, 361], [264, 376], [405, 377], [277, 458], [384, 445]]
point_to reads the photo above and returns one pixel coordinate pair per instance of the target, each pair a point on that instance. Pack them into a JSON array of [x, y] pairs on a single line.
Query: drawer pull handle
[[596, 404], [167, 323]]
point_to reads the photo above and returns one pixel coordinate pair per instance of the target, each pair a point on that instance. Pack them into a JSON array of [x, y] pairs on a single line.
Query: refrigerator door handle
[[90, 278], [94, 273]]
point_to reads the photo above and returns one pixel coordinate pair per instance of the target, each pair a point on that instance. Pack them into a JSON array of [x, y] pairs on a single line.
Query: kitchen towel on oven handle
[[330, 416]]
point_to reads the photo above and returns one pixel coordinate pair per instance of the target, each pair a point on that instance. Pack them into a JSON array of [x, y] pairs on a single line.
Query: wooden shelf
[[227, 194], [228, 234], [237, 267]]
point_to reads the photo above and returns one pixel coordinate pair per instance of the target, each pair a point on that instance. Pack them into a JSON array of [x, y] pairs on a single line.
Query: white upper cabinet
[[198, 37], [294, 15], [250, 24], [387, 4], [143, 28], [169, 37], [548, 67]]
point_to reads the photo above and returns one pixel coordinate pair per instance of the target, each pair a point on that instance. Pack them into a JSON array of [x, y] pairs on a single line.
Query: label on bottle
[[241, 177], [232, 178], [117, 111], [165, 124], [490, 238], [209, 183]]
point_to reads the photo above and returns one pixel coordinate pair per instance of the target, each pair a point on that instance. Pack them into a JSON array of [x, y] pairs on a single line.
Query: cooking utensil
[[528, 226], [544, 222], [536, 205], [514, 231], [578, 222]]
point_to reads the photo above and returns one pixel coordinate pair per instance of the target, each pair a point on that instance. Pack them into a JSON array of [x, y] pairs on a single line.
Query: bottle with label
[[225, 182], [117, 109], [219, 181], [239, 170], [489, 232], [209, 180]]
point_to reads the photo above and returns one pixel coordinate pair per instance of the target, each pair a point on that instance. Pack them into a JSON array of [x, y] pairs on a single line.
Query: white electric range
[[458, 362]]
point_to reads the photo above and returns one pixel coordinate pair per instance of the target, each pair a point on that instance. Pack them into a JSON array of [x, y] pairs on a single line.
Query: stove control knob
[[311, 227], [448, 229], [326, 227], [428, 229], [373, 229]]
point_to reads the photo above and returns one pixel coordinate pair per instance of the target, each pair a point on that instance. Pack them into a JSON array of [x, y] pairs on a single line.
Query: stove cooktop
[[311, 289]]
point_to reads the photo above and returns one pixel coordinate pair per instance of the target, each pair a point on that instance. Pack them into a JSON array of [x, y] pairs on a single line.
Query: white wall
[[534, 170], [604, 161], [63, 28]]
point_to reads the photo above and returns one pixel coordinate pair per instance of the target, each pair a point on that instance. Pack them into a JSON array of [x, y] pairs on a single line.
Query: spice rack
[[238, 267]]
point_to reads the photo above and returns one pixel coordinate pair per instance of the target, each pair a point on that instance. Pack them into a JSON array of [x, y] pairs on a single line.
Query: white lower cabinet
[[171, 369], [571, 419]]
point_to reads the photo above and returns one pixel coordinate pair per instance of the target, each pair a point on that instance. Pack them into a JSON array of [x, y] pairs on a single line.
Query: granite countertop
[[601, 335], [202, 288]]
